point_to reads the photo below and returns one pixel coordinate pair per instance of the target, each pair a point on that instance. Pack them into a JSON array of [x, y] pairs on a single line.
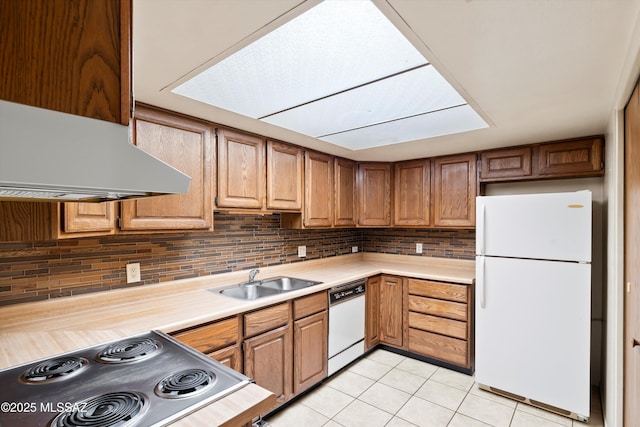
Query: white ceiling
[[534, 70]]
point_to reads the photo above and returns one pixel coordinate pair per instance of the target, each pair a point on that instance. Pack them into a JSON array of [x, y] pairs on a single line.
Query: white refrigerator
[[533, 299]]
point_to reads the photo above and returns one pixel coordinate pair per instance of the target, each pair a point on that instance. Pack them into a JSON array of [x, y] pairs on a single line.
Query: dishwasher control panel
[[345, 292]]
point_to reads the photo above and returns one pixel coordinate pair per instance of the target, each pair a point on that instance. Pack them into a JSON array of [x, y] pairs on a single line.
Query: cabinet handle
[[480, 228], [636, 343], [480, 281]]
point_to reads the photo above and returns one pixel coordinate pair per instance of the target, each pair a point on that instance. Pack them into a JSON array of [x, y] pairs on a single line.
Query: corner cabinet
[[454, 191], [374, 194], [185, 144]]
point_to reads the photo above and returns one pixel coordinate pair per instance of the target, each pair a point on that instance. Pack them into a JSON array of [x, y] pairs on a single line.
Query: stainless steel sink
[[249, 292], [266, 287], [287, 283]]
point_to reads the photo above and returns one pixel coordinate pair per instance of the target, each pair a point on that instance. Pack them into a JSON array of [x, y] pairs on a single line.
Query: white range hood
[[47, 155]]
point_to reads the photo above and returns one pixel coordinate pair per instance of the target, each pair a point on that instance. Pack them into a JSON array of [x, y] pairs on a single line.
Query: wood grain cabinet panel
[[208, 338], [284, 176], [506, 163], [345, 192], [185, 144], [265, 319], [229, 356], [310, 354], [391, 311], [85, 218], [439, 325], [318, 207], [374, 194], [412, 196], [447, 349], [241, 170], [446, 291], [454, 190], [372, 312], [571, 158], [306, 306], [267, 359], [452, 310], [69, 56]]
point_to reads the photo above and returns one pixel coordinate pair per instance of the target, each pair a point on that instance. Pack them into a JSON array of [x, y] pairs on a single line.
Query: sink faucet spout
[[252, 274]]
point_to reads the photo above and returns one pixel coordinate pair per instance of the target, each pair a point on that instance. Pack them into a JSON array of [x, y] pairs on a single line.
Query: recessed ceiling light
[[340, 72]]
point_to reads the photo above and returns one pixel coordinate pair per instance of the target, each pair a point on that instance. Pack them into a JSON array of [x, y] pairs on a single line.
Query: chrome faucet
[[252, 274]]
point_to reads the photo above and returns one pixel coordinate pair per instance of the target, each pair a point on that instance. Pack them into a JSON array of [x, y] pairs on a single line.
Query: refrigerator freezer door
[[555, 226], [532, 335]]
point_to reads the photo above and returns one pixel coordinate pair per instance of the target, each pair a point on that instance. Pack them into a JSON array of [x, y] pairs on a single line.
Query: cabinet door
[[241, 170], [83, 218], [345, 192], [454, 191], [184, 144], [372, 318], [571, 158], [412, 196], [284, 176], [229, 356], [391, 311], [374, 194], [505, 164], [310, 351], [318, 207], [267, 359]]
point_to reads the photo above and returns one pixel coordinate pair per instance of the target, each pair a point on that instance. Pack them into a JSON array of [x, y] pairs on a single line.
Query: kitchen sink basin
[[286, 283], [249, 292], [266, 287]]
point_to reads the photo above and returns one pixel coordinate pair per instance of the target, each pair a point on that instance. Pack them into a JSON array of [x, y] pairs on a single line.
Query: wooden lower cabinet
[[229, 356], [267, 359], [391, 310], [310, 350], [439, 320], [372, 313]]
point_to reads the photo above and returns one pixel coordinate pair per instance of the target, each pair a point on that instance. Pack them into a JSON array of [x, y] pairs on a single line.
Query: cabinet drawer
[[446, 291], [312, 304], [448, 349], [439, 325], [266, 319], [211, 337], [451, 310]]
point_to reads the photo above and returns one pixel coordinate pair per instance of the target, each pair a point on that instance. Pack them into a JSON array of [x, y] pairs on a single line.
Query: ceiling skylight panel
[[415, 92], [334, 46], [443, 122]]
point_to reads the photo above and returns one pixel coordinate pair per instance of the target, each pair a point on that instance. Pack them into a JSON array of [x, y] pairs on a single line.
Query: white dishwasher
[[346, 324]]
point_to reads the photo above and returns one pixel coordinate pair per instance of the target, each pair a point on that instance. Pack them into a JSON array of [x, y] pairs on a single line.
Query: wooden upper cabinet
[[69, 56], [81, 218], [318, 206], [345, 192], [510, 163], [185, 144], [571, 158], [284, 176], [454, 191], [241, 170], [412, 196], [374, 194]]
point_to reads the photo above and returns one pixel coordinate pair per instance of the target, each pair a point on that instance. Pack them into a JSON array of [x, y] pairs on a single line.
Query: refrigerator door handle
[[480, 281], [480, 226]]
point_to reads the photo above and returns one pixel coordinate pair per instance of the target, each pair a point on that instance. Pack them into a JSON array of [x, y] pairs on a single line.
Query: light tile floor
[[388, 389]]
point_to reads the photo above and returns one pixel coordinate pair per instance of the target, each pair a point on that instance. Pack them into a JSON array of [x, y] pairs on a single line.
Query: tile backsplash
[[31, 271]]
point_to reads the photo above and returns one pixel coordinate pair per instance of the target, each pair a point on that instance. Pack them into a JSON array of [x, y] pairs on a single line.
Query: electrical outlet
[[418, 248], [302, 251], [354, 249], [133, 272]]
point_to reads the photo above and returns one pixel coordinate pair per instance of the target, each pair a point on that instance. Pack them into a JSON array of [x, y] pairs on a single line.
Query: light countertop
[[37, 330]]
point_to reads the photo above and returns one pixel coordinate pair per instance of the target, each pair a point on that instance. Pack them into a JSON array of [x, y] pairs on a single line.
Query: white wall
[[596, 185]]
